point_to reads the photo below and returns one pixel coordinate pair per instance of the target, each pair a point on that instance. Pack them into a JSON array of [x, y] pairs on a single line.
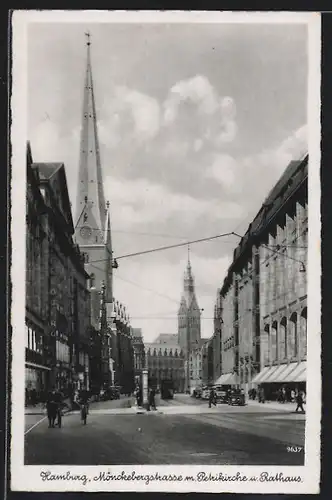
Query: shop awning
[[296, 373], [269, 376], [226, 379], [258, 378], [277, 374]]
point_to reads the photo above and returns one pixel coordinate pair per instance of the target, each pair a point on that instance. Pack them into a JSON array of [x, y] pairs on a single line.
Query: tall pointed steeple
[[92, 218], [90, 203]]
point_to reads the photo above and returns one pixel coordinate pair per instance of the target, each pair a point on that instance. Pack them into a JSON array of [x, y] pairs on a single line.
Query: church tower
[[92, 220], [189, 314]]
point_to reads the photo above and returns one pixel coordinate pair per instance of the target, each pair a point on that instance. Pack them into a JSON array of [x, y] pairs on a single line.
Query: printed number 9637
[[294, 449]]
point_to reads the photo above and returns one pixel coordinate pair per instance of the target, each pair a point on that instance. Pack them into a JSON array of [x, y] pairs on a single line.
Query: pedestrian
[[299, 400], [292, 396], [212, 398], [152, 400], [51, 407]]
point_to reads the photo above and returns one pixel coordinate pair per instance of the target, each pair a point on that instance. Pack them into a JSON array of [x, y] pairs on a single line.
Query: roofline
[[249, 235]]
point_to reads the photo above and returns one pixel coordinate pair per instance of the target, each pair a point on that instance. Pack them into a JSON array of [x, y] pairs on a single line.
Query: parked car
[[205, 393], [198, 392], [221, 394], [236, 398]]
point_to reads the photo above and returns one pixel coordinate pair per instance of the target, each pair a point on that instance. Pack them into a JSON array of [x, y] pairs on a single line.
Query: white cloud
[[211, 116], [224, 169], [141, 201], [130, 114], [197, 90], [292, 148]]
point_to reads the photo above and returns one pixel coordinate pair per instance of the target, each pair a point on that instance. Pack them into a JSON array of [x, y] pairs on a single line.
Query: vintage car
[[220, 394], [205, 393], [236, 398]]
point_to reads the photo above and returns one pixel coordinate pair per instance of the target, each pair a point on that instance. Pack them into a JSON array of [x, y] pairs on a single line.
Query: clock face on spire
[[86, 232]]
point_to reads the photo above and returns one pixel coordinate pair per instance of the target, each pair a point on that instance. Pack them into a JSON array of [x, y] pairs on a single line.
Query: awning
[[34, 365], [277, 375], [226, 379], [257, 379], [269, 374], [296, 373], [292, 372]]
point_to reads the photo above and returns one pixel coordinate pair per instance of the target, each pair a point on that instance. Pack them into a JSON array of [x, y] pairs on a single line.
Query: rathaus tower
[[189, 314]]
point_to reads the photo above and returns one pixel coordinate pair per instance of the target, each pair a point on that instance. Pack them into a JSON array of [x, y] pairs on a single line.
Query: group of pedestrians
[[55, 403], [54, 407], [283, 395], [151, 397]]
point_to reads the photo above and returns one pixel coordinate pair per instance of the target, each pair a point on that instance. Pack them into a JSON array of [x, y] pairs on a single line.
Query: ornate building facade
[[264, 295], [165, 361], [57, 298], [139, 352], [93, 235]]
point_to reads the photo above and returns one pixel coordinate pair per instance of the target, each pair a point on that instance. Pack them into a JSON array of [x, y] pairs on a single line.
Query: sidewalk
[[274, 405]]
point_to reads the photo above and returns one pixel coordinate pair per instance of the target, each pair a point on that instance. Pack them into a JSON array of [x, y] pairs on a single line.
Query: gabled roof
[[47, 173], [47, 170]]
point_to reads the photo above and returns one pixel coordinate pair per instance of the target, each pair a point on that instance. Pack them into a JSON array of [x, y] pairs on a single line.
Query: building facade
[[57, 298], [195, 369], [93, 235], [283, 286], [216, 338], [264, 296], [139, 352], [207, 362], [165, 361]]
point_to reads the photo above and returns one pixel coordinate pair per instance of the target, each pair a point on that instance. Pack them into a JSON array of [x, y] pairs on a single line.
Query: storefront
[[36, 382], [287, 377]]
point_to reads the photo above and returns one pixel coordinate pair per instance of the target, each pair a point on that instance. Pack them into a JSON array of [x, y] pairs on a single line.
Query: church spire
[[189, 287], [90, 204]]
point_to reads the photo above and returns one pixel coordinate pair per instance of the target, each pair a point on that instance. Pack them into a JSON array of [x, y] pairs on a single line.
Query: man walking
[[299, 400], [212, 398]]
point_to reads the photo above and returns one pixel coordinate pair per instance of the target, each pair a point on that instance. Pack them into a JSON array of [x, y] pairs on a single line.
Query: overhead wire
[[168, 247]]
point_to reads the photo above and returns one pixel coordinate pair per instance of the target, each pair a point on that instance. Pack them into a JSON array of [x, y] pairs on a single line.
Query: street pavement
[[181, 431]]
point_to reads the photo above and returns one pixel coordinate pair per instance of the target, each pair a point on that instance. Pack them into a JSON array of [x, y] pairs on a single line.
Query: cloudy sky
[[196, 124]]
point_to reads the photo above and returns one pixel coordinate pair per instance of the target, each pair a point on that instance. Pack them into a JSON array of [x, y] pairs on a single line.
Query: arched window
[[283, 338], [274, 341], [303, 333], [293, 336], [92, 280]]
